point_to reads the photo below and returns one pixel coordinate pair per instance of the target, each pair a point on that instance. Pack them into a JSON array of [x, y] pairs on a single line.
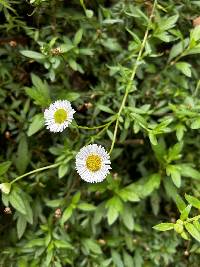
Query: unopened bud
[[5, 188], [178, 227]]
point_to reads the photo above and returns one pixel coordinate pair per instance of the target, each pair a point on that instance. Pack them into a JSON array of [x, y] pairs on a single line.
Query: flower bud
[[178, 227], [5, 188]]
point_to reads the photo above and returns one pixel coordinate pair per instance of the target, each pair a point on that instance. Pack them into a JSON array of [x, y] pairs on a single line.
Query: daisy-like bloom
[[93, 163], [58, 116]]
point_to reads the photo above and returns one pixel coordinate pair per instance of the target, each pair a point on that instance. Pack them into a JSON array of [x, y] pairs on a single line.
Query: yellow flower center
[[60, 115], [93, 162]]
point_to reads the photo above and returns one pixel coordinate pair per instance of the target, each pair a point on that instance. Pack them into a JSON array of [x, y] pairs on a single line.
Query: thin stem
[[34, 171], [196, 89], [132, 78], [93, 128]]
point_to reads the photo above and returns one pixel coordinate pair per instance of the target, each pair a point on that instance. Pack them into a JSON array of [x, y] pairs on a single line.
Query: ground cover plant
[[128, 74]]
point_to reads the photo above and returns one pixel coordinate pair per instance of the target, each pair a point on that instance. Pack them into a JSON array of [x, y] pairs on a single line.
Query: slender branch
[[93, 128], [132, 77], [34, 171]]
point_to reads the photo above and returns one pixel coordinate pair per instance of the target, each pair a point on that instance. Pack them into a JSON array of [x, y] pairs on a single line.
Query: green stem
[[34, 171], [132, 78], [93, 128], [196, 89]]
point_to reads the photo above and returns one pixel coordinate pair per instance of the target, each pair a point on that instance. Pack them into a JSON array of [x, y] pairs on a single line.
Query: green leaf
[[128, 194], [151, 183], [4, 166], [193, 231], [110, 134], [21, 225], [91, 245], [188, 171], [168, 23], [17, 202], [179, 201], [62, 244], [105, 109], [39, 92], [114, 206], [193, 201], [178, 48], [185, 213], [32, 54], [54, 203], [62, 170], [164, 226], [76, 197], [72, 96], [195, 33], [36, 124], [174, 172], [66, 215], [73, 64], [127, 218], [184, 67], [180, 129], [22, 159], [160, 149], [117, 258], [174, 152], [28, 207], [127, 259], [195, 124], [140, 120], [153, 139], [86, 206], [78, 37]]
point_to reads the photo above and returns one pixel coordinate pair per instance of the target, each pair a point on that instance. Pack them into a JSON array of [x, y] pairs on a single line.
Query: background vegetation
[[131, 70]]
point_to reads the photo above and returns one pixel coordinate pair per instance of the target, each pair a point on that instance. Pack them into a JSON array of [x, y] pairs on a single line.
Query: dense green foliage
[[131, 71]]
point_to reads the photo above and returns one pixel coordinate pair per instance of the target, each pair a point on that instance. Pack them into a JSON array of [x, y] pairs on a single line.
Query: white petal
[[81, 167], [49, 115]]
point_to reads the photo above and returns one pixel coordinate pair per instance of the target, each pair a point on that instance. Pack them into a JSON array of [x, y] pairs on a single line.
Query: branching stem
[[34, 171], [129, 84]]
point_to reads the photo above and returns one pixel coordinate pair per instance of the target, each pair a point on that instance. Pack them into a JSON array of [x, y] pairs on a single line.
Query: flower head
[[58, 116], [93, 163]]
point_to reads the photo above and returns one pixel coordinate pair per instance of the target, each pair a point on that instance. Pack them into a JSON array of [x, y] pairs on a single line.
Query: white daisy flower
[[93, 163], [58, 116]]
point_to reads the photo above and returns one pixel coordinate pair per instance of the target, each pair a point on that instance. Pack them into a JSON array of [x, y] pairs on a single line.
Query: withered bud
[[196, 22], [7, 135], [56, 51], [186, 253], [173, 220], [99, 32], [58, 213], [66, 226], [97, 193], [7, 210], [92, 96], [13, 43], [115, 175], [101, 241], [88, 105]]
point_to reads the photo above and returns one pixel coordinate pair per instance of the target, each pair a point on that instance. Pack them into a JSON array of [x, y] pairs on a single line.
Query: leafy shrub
[[131, 71]]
